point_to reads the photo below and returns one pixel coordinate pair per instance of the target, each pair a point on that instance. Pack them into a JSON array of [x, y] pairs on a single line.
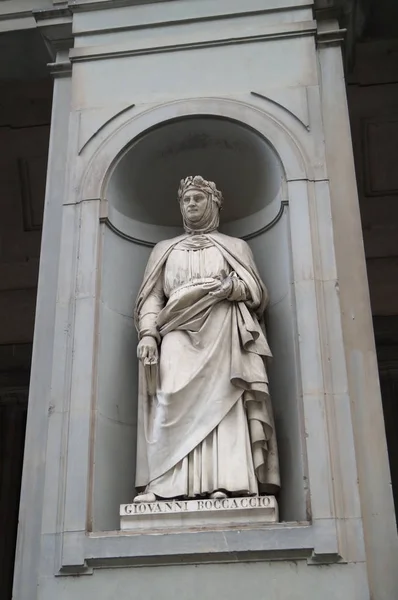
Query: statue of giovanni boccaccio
[[205, 423]]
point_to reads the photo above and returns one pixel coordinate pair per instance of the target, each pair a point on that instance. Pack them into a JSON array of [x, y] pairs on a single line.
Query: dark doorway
[[25, 115], [14, 386], [373, 104]]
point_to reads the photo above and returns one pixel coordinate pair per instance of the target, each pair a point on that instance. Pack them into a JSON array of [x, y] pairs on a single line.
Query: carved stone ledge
[[84, 552]]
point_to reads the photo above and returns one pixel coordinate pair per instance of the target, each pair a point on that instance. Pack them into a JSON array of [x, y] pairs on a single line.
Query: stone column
[[27, 562], [376, 500]]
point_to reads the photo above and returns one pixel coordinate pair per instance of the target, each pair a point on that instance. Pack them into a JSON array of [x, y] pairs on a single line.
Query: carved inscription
[[181, 506]]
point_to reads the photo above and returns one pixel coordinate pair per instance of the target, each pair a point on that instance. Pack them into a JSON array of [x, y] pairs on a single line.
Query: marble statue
[[205, 423]]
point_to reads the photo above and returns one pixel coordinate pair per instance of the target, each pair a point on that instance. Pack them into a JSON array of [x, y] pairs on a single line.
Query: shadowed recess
[[144, 183]]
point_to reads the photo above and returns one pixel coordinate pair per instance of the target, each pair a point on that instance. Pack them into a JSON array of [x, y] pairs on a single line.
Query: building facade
[[289, 105]]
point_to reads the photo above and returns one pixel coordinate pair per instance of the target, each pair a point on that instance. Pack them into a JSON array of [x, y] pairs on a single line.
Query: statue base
[[187, 514]]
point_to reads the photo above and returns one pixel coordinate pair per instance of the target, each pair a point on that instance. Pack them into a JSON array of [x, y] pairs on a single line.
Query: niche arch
[[108, 149], [118, 175], [142, 187]]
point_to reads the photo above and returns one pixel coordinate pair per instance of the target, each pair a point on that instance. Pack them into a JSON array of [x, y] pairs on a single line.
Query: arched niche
[[140, 190]]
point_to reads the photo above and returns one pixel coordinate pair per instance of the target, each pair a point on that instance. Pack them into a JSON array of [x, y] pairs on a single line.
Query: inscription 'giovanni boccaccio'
[[181, 506]]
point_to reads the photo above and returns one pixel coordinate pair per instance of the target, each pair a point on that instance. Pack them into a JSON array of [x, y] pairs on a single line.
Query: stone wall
[[274, 71]]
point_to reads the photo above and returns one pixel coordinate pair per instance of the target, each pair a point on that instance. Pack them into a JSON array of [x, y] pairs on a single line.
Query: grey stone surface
[[124, 82], [363, 385], [117, 383], [293, 580], [33, 482]]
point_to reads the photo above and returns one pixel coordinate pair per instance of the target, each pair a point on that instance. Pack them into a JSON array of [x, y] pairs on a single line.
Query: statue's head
[[200, 204]]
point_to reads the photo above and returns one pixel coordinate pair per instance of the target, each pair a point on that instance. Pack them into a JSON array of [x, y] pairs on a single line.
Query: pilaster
[[381, 542]]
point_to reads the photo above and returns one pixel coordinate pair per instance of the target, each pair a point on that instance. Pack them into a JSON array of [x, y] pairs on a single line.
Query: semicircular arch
[[113, 147]]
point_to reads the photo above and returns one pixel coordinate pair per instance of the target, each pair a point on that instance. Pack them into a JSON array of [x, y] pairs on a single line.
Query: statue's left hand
[[224, 288]]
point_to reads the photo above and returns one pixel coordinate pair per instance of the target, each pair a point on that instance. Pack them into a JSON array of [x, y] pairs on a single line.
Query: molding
[[287, 541], [55, 26], [225, 16], [91, 5], [101, 127], [104, 218], [268, 99], [332, 37], [23, 14], [112, 147], [81, 54], [125, 236], [284, 204], [60, 69], [348, 14]]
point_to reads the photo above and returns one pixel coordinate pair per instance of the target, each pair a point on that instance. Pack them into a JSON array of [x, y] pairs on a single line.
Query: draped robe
[[210, 424]]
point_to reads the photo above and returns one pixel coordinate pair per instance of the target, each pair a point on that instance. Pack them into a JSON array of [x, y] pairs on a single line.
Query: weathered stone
[[177, 514]]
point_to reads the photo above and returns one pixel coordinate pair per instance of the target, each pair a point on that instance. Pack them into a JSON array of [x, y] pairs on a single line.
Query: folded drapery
[[212, 361]]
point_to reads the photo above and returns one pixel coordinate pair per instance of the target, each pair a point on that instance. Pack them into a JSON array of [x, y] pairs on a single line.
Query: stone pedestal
[[178, 514]]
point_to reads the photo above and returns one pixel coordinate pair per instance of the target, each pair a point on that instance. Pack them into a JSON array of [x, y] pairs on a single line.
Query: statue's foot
[[145, 497], [218, 495]]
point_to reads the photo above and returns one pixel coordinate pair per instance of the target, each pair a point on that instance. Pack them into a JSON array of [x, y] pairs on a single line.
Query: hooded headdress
[[211, 216]]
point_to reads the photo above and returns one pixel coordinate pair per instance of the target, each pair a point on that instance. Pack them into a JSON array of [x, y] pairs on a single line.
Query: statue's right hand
[[147, 350]]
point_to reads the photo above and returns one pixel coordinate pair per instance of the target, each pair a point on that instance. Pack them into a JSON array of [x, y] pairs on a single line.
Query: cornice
[[87, 5], [55, 26], [133, 48], [331, 37], [350, 17]]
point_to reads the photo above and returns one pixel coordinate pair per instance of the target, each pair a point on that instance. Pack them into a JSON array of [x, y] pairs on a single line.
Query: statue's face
[[193, 205]]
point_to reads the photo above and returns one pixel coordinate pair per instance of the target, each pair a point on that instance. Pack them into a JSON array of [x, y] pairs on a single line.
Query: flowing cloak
[[248, 350]]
